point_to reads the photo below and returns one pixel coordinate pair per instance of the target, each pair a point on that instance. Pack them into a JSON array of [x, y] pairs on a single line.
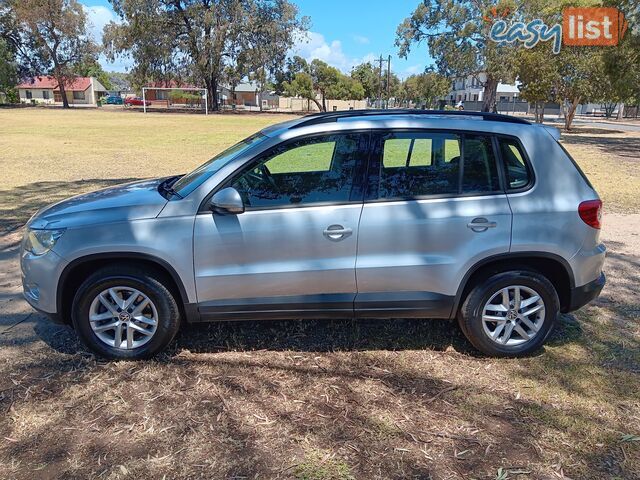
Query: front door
[[293, 251], [434, 208]]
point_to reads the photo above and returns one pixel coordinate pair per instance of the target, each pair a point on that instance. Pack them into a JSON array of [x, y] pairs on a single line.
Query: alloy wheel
[[513, 315], [123, 317]]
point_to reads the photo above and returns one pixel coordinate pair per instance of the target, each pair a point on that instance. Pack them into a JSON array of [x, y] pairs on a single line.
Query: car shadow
[[320, 335]]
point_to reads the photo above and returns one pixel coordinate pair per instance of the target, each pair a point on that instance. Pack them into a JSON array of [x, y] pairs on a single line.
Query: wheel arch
[[79, 269], [552, 266]]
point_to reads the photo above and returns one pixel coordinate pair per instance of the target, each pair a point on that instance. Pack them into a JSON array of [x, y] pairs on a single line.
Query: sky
[[343, 33]]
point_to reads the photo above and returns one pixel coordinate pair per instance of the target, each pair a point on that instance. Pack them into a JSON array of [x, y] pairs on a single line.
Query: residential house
[[45, 90], [471, 89]]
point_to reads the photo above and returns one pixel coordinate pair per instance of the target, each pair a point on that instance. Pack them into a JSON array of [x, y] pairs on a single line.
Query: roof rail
[[325, 117]]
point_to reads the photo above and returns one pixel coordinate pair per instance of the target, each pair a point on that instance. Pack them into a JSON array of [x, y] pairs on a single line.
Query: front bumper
[[580, 296], [40, 275]]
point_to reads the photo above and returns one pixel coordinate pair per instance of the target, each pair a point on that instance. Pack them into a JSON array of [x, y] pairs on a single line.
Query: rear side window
[[516, 171], [433, 163]]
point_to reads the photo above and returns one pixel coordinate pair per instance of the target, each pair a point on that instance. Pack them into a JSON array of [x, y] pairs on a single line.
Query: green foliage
[[8, 69], [456, 32], [622, 64], [368, 76], [426, 88]]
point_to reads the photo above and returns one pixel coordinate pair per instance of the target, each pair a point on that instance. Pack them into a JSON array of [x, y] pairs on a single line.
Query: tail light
[[591, 213]]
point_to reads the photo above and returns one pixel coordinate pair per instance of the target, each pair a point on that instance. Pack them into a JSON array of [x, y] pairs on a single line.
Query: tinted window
[[307, 171], [480, 169], [515, 167], [417, 164]]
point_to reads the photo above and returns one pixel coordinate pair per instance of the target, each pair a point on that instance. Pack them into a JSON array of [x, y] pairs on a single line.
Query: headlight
[[39, 242]]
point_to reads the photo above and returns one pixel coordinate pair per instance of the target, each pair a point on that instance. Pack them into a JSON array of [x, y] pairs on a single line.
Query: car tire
[[154, 310], [496, 327]]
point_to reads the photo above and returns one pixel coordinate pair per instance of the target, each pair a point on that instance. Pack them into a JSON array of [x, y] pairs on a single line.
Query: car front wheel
[[125, 313], [510, 314]]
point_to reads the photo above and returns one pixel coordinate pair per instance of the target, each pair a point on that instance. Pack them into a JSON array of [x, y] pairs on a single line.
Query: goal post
[[175, 97]]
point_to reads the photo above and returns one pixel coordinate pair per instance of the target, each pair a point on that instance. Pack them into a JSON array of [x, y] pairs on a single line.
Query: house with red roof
[[44, 89]]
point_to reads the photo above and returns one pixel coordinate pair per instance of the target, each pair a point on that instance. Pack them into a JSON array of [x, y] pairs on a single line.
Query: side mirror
[[227, 201]]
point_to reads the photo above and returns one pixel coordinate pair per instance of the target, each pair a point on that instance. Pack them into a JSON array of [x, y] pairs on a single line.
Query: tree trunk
[[63, 93], [211, 84], [571, 113], [320, 107], [61, 79], [537, 114], [542, 113], [621, 111], [489, 96], [324, 103]]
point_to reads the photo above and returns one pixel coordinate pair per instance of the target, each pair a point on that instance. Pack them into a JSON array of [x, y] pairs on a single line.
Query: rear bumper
[[580, 296]]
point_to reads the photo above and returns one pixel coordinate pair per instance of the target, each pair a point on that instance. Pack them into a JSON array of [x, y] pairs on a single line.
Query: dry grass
[[611, 160], [49, 154], [317, 399]]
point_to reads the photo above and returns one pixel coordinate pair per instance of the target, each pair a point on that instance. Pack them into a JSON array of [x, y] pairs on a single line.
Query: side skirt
[[327, 306]]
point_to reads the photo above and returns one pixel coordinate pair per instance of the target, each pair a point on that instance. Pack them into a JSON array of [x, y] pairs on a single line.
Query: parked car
[[482, 218], [135, 101], [113, 100]]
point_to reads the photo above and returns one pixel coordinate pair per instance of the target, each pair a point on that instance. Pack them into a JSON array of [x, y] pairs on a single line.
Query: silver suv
[[480, 217]]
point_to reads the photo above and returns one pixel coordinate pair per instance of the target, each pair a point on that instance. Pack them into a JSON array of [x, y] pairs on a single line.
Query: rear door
[[434, 207], [293, 251]]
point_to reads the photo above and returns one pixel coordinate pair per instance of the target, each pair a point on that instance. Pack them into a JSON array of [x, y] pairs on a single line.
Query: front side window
[[28, 94], [45, 94], [78, 95], [432, 163], [304, 172], [515, 167]]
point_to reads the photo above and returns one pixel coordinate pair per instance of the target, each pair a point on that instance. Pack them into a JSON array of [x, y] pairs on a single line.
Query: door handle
[[481, 224], [337, 232]]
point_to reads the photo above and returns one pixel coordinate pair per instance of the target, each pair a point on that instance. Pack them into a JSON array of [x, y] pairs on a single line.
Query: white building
[[471, 89], [83, 91]]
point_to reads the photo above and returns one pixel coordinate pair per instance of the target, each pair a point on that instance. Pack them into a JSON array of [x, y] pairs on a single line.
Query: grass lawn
[[314, 400], [49, 154]]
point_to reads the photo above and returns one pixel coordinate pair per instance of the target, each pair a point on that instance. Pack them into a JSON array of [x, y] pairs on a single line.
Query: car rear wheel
[[125, 313], [510, 314]]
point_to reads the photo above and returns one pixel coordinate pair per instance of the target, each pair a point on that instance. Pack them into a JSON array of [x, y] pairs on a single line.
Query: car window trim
[[377, 152], [359, 174], [527, 164]]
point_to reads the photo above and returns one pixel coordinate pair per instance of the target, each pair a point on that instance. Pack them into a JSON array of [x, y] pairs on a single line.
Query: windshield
[[187, 184]]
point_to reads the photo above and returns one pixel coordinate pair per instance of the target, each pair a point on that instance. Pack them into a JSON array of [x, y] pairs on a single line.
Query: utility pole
[[388, 88], [388, 80]]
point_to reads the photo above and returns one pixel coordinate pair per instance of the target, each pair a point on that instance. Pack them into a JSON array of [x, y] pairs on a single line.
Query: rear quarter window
[[517, 171]]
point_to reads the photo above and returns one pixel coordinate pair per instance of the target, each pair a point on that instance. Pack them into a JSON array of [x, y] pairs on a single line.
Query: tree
[[346, 88], [320, 78], [8, 71], [302, 86], [581, 77], [368, 77], [204, 38], [57, 34], [325, 78], [539, 78], [622, 64], [456, 34], [426, 88]]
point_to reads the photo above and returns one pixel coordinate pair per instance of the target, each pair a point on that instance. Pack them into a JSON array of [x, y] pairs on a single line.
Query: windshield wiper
[[166, 187]]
